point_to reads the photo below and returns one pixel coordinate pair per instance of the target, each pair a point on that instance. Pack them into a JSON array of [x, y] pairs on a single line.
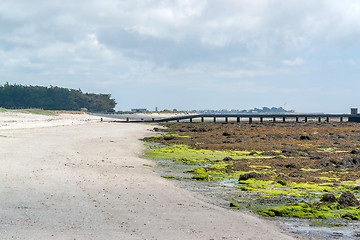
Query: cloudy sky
[[199, 54]]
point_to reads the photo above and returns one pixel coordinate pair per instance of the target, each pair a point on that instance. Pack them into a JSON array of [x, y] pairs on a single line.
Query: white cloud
[[293, 62]]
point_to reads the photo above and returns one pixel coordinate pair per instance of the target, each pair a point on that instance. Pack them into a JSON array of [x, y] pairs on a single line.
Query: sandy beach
[[74, 177]]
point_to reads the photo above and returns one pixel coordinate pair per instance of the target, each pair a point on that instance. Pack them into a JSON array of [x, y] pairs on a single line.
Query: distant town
[[263, 110]]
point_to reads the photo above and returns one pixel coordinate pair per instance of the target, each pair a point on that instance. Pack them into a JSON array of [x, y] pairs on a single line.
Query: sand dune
[[74, 177]]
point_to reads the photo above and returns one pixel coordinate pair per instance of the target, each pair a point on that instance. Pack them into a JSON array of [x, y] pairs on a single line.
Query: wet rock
[[349, 216], [281, 182], [355, 151], [252, 153], [348, 199], [304, 137], [289, 152], [356, 188], [295, 174], [155, 129], [328, 198], [291, 165], [167, 138], [234, 205], [198, 130], [314, 155], [348, 163], [228, 159], [249, 175], [226, 134]]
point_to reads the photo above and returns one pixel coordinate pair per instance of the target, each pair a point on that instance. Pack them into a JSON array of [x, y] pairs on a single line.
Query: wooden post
[[284, 119], [306, 119], [341, 119], [274, 119], [226, 119], [127, 119], [190, 119], [214, 119], [261, 119], [327, 119], [319, 119], [202, 119], [153, 119], [250, 119], [238, 119], [297, 119]]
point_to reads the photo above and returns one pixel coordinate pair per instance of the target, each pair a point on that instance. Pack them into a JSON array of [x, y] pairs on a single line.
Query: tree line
[[54, 98]]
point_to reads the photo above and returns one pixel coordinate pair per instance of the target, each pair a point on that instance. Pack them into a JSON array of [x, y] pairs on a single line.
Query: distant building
[[137, 110]]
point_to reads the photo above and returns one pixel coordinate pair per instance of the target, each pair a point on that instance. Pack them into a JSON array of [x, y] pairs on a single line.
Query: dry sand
[[80, 178]]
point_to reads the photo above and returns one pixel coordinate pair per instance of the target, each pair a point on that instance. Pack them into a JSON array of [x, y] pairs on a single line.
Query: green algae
[[317, 210], [192, 161], [174, 135], [326, 224], [307, 190], [178, 152], [210, 167], [204, 171], [235, 205], [168, 176]]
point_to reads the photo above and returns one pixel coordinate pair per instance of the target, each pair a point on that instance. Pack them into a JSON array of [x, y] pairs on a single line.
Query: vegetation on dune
[[53, 98], [32, 111]]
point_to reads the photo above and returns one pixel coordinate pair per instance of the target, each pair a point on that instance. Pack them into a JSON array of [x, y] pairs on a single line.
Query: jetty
[[354, 116]]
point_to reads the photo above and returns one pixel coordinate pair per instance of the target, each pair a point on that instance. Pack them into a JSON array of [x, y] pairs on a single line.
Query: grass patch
[[30, 111]]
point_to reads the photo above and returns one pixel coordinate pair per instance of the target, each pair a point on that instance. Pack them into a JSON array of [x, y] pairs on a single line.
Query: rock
[[169, 138], [226, 134], [348, 163], [304, 137], [295, 174], [228, 159], [349, 216], [328, 198], [249, 175], [355, 151], [234, 205], [356, 188], [314, 156], [348, 199], [324, 163], [281, 182], [252, 153], [291, 165], [289, 152]]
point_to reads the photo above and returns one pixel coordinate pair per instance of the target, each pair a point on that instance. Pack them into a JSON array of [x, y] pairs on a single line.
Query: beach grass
[[40, 111]]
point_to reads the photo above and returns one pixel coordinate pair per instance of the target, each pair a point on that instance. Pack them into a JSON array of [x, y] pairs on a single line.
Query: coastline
[[76, 177]]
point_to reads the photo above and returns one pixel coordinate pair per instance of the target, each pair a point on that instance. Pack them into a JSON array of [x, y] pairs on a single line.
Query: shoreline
[[89, 181]]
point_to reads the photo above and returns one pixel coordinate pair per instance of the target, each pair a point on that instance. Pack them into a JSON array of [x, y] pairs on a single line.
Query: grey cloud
[[248, 45]]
